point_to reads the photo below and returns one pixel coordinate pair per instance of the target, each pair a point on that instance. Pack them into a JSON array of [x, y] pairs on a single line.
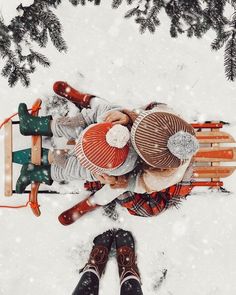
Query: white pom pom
[[183, 145], [118, 136]]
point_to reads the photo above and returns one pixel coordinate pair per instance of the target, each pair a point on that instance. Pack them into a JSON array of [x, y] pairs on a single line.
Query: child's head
[[103, 147], [163, 140]]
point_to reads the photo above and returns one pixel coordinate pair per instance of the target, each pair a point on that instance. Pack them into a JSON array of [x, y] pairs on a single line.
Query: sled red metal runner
[[208, 125], [35, 159]]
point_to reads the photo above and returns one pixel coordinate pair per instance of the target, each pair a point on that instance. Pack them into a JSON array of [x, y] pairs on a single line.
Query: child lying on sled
[[162, 140]]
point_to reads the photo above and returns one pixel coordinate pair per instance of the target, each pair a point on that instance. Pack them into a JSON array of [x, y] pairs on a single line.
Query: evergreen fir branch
[[53, 25], [230, 58], [53, 3], [132, 12], [116, 3], [74, 2], [83, 2], [40, 58], [7, 69], [151, 26], [36, 23], [13, 78], [220, 40], [143, 24], [43, 38], [58, 42], [24, 77]]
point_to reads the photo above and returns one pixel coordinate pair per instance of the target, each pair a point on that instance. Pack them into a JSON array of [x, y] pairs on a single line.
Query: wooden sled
[[36, 147], [209, 162]]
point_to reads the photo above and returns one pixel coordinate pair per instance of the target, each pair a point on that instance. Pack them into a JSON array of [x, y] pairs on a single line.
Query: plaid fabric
[[147, 205]]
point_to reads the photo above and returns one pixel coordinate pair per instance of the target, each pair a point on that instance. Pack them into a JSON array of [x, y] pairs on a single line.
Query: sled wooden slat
[[216, 154], [8, 159], [36, 150], [214, 137], [213, 171]]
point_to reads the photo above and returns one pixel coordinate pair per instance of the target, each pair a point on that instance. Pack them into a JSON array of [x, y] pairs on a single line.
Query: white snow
[[108, 57]]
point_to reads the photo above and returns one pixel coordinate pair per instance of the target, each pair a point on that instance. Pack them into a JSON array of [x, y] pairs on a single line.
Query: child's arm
[[106, 194], [69, 169], [71, 127], [98, 111]]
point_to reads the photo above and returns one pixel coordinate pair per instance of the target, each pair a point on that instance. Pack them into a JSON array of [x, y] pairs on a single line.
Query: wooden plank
[[213, 172], [214, 137], [36, 149], [8, 159], [216, 154]]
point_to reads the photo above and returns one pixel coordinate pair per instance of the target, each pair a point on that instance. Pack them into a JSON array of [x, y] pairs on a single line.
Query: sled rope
[[33, 109], [32, 205]]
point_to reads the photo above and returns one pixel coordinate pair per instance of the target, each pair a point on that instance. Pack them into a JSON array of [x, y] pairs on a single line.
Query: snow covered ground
[[107, 56]]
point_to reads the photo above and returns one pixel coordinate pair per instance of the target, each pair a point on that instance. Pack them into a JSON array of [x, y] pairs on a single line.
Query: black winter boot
[[33, 173], [33, 125], [99, 254], [125, 254]]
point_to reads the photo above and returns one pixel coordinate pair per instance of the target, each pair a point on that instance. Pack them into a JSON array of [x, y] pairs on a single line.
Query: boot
[[33, 173], [125, 255], [71, 215], [81, 100], [99, 255], [24, 156], [33, 125]]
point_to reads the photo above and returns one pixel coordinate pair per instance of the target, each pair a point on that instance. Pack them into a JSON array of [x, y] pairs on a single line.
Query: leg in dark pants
[[94, 268], [131, 287], [88, 284]]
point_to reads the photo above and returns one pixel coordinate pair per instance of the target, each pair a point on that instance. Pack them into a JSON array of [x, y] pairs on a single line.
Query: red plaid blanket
[[147, 205]]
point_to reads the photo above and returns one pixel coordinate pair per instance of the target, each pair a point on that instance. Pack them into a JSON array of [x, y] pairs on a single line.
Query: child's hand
[[114, 181], [117, 117], [105, 179], [121, 182]]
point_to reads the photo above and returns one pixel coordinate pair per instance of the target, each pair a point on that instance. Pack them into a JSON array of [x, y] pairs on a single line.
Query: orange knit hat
[[103, 147]]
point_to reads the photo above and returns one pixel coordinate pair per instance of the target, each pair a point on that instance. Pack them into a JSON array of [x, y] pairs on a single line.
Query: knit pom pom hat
[[163, 140], [103, 147]]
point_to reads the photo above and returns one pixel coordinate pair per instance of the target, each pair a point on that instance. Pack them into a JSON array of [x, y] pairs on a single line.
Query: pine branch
[[38, 24], [220, 40], [230, 59], [7, 69], [230, 52], [83, 2], [116, 3], [40, 58]]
